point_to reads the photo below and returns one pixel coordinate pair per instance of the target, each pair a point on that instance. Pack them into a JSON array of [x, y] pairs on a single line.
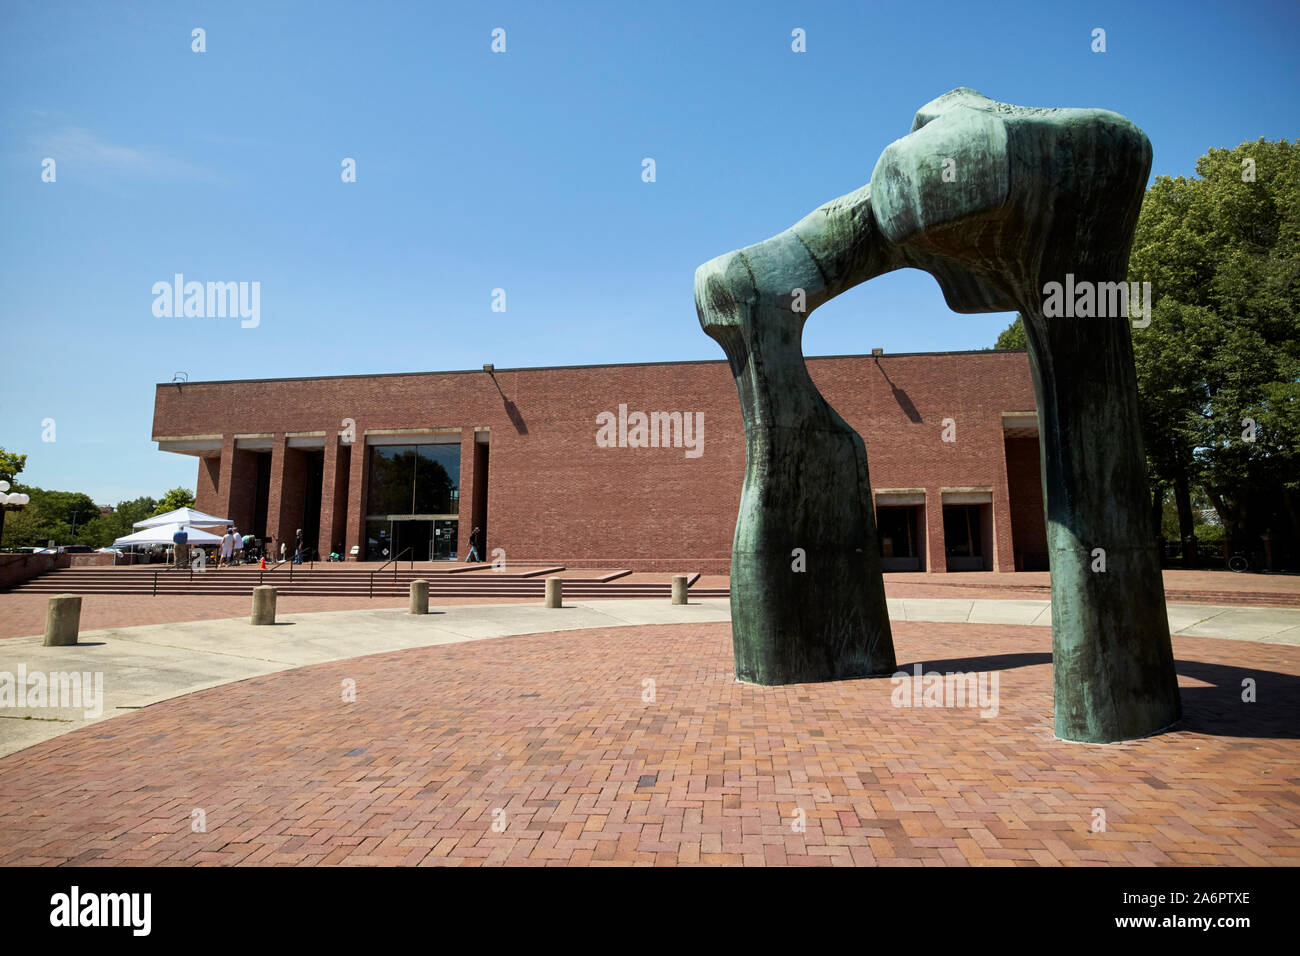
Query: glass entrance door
[[444, 540], [429, 538], [414, 534]]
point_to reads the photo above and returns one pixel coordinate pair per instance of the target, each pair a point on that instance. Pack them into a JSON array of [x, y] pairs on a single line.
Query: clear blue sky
[[519, 170]]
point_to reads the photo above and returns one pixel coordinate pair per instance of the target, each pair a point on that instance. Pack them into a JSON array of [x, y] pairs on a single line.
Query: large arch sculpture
[[996, 202]]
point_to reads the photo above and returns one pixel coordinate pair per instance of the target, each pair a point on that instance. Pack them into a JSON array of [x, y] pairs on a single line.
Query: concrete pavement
[[142, 665]]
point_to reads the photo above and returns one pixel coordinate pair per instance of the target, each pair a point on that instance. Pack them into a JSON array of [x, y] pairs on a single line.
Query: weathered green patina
[[995, 201]]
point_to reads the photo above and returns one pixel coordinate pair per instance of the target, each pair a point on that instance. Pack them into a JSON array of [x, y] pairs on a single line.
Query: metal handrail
[[276, 566], [170, 567], [392, 561]]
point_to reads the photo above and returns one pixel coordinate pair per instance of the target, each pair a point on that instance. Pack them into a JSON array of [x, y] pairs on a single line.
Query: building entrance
[[410, 538], [413, 502], [426, 537], [968, 536], [444, 540], [900, 531]]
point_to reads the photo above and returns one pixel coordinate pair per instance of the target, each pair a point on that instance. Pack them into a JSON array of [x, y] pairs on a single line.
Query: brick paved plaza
[[552, 730]]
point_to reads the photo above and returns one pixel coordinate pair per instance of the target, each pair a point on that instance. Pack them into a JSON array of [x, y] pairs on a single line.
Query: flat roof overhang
[[200, 446], [1020, 424]]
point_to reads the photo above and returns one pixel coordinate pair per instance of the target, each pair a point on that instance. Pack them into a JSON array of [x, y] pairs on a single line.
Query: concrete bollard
[[679, 589], [419, 596], [554, 592], [62, 620], [264, 604]]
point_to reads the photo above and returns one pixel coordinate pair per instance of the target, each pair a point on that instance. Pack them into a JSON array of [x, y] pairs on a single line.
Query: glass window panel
[[437, 478], [392, 479]]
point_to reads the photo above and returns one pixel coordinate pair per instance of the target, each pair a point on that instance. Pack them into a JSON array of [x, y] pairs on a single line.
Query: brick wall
[[554, 494]]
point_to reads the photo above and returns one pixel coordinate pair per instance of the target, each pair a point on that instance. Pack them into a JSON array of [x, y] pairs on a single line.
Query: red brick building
[[382, 463]]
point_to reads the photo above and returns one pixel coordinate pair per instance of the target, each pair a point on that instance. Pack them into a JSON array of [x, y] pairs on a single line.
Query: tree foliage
[[1219, 366], [70, 517], [175, 498], [11, 464], [1012, 337]]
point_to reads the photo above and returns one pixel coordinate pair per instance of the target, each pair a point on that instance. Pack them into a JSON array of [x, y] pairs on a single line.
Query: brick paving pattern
[[552, 730]]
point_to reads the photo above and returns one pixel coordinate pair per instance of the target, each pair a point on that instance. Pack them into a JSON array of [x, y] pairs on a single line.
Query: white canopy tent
[[185, 516], [163, 535]]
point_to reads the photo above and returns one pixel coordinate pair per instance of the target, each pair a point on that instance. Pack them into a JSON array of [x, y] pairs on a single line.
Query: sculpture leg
[[1112, 658], [1042, 197], [807, 595]]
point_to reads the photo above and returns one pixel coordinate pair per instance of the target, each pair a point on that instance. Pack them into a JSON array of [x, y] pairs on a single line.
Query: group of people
[[235, 549]]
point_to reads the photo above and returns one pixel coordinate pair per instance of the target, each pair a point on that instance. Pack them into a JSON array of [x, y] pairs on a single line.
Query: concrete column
[[935, 558], [285, 502], [679, 589], [333, 495], [1004, 552], [225, 480], [62, 620], [263, 604], [355, 522], [207, 484], [275, 523], [236, 486], [466, 510], [554, 592], [419, 596]]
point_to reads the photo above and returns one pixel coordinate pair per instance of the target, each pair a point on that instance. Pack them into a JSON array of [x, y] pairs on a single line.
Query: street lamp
[[10, 502]]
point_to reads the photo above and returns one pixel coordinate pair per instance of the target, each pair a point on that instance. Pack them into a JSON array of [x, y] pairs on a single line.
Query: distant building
[[546, 460]]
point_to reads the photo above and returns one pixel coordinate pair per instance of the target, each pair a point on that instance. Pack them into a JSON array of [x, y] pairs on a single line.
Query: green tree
[[176, 498], [56, 516], [1219, 365], [137, 509], [105, 529], [24, 529], [1012, 337], [11, 464]]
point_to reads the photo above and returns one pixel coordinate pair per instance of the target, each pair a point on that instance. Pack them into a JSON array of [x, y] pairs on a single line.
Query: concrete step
[[306, 581]]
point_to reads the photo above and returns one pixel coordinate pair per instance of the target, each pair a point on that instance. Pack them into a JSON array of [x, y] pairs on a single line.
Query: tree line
[[70, 517]]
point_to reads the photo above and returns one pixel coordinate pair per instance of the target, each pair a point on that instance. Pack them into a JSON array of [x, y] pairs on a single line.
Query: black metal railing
[[170, 567], [263, 572], [393, 561]]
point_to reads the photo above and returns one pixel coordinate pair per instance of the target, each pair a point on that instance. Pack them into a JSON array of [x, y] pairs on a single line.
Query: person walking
[[239, 547], [227, 549], [473, 547], [283, 546], [297, 547]]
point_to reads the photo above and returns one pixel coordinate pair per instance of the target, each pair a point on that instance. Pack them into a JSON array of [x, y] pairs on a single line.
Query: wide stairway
[[358, 580]]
